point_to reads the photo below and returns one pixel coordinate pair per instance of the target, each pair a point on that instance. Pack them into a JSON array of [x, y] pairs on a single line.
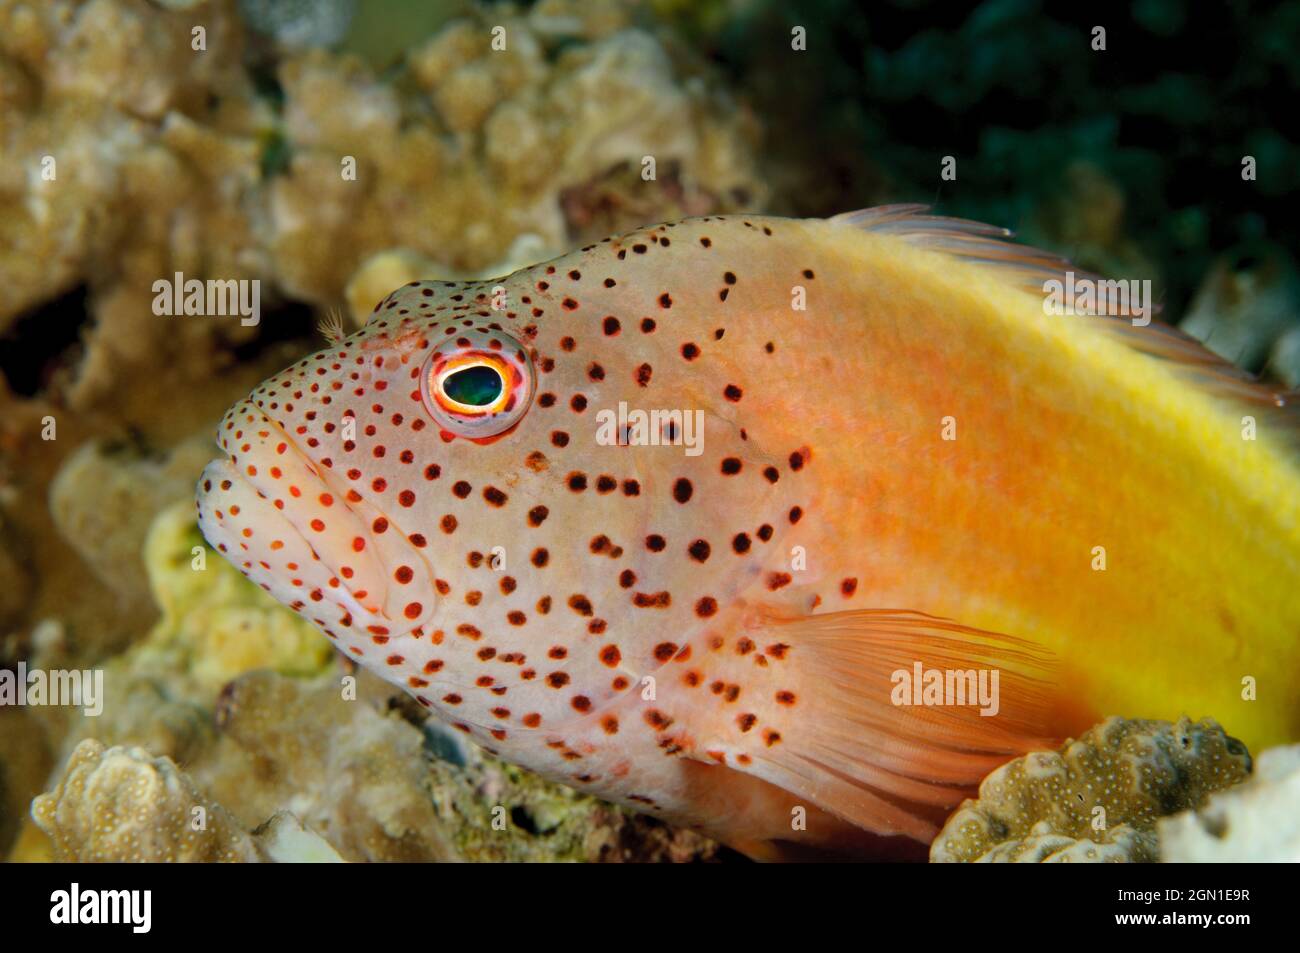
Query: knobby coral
[[1098, 798]]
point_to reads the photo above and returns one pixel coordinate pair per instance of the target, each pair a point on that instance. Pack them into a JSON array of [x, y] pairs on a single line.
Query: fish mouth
[[323, 552]]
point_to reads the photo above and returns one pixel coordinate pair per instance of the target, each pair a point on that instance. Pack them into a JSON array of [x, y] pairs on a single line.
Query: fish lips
[[273, 515]]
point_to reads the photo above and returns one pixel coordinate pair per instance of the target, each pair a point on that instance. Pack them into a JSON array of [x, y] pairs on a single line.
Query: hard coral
[[121, 804], [170, 158], [377, 787], [1096, 799], [1258, 821]]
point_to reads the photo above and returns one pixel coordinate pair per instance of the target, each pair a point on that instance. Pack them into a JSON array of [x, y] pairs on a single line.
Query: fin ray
[[894, 768]]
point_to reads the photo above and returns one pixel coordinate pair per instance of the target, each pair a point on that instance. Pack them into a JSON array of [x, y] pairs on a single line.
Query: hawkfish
[[922, 525]]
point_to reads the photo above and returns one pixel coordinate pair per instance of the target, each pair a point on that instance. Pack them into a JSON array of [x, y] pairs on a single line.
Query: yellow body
[[1067, 440]]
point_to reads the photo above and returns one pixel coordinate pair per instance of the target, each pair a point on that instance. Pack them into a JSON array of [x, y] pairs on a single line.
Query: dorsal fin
[[1029, 268]]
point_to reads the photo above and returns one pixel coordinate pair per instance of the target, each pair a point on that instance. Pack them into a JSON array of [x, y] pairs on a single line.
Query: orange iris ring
[[462, 362]]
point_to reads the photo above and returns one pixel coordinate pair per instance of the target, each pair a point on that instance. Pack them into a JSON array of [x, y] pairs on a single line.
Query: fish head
[[514, 482]]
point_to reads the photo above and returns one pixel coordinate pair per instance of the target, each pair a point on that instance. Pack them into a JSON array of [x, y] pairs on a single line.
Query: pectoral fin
[[854, 740]]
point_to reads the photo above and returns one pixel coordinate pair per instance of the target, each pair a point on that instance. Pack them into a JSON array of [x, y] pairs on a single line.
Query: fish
[[922, 525]]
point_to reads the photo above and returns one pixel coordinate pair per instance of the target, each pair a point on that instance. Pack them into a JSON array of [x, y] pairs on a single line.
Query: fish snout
[[318, 548]]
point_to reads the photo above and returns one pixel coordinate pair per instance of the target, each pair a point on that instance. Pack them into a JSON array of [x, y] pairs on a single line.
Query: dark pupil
[[476, 386]]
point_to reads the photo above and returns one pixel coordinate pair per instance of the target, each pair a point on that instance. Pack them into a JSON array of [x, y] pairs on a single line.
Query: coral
[[377, 787], [349, 773], [378, 275], [15, 580], [121, 804], [1042, 844], [1087, 217], [300, 23], [213, 626], [25, 764], [1244, 305], [104, 498], [169, 159], [284, 840], [1285, 359], [218, 624], [1256, 821], [311, 772], [93, 195], [1096, 799]]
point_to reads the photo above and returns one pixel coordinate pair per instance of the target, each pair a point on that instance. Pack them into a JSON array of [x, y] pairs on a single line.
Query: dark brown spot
[[652, 600]]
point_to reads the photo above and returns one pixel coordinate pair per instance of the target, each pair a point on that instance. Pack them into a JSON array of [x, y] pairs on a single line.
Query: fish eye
[[478, 383], [476, 386]]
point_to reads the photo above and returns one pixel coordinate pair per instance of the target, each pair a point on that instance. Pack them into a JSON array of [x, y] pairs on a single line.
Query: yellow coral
[[224, 625]]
